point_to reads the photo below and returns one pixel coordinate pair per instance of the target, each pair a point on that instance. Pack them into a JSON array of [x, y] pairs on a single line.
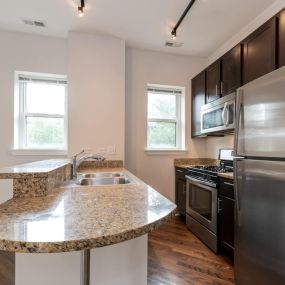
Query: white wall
[[147, 67], [95, 66], [23, 52], [96, 76], [213, 144]]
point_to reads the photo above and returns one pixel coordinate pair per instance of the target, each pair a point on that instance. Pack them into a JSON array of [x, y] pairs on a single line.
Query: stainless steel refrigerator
[[260, 181]]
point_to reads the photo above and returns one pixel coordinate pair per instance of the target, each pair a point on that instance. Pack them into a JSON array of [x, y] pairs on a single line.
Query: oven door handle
[[199, 183]]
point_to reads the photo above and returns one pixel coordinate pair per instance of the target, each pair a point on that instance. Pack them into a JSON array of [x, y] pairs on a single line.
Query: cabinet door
[[231, 71], [181, 196], [213, 82], [259, 50], [226, 223], [198, 100], [281, 49]]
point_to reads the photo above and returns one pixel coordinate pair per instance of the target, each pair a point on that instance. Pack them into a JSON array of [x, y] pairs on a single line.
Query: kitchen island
[[50, 231]]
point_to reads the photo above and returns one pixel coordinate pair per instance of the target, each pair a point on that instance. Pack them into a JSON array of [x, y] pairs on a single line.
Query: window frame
[[21, 115], [179, 120]]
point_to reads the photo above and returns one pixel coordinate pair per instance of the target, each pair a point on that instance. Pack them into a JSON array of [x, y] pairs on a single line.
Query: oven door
[[201, 203]]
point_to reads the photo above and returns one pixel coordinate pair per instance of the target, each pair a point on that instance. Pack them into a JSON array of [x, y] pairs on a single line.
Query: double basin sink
[[103, 178]]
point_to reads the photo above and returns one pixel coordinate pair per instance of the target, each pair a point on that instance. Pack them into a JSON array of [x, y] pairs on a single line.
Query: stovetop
[[212, 168], [208, 174]]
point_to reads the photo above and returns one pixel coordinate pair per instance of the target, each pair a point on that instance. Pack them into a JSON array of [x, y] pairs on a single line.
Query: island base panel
[[122, 263]]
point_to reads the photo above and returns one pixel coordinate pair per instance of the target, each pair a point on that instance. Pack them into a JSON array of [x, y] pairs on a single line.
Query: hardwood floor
[[177, 257], [7, 268]]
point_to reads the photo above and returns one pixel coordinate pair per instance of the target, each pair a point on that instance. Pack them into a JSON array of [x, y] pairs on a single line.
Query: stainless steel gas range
[[202, 198]]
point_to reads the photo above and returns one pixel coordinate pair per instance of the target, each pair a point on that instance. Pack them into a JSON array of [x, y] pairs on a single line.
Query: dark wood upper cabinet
[[259, 51], [198, 100], [231, 71], [281, 34], [213, 82]]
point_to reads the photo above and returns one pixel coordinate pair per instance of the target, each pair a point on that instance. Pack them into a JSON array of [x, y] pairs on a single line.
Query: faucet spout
[[77, 161]]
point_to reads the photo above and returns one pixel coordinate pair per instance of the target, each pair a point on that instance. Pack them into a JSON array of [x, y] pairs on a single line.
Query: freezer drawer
[[260, 123], [260, 222]]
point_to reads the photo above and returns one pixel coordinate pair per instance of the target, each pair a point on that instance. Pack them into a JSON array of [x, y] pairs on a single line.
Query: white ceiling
[[142, 23]]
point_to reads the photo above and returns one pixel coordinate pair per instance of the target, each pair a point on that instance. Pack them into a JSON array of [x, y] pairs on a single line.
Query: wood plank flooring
[[7, 268], [177, 257]]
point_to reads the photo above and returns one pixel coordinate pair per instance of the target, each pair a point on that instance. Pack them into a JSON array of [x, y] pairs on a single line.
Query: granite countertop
[[82, 217], [36, 169], [229, 175], [187, 162]]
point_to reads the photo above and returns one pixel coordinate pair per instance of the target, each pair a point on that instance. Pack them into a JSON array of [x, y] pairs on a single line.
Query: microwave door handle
[[227, 115], [224, 114]]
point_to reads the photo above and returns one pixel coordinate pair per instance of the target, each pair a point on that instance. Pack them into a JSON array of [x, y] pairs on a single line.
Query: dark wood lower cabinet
[[226, 214], [180, 190]]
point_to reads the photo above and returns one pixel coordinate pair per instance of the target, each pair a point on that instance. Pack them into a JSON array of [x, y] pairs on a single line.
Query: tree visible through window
[[164, 128], [42, 112]]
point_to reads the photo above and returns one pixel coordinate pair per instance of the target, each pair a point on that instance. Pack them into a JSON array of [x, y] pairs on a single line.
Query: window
[[165, 118], [40, 112]]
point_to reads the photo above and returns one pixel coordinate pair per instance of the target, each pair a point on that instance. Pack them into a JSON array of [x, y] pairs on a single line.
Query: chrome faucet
[[76, 162]]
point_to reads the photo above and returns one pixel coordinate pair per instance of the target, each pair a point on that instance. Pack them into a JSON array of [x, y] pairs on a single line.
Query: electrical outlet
[[111, 149], [87, 149], [101, 150]]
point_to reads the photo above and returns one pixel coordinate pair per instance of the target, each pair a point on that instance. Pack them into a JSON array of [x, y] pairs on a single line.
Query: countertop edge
[[92, 243]]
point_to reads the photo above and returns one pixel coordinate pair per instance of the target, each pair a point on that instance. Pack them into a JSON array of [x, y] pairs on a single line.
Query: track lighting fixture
[[80, 8], [174, 30]]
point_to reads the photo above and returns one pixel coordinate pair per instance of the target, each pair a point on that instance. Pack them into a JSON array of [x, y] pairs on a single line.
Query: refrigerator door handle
[[236, 191], [239, 106]]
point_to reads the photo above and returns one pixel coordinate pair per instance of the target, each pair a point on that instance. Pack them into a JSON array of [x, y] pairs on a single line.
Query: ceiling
[[142, 23]]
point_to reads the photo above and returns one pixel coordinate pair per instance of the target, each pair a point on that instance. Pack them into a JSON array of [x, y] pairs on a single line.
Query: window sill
[[164, 151], [49, 152]]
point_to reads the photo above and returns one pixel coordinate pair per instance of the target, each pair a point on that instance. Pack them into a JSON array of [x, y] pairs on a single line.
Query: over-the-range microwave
[[219, 115]]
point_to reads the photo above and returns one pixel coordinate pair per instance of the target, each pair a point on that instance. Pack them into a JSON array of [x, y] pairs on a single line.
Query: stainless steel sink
[[103, 181], [102, 175]]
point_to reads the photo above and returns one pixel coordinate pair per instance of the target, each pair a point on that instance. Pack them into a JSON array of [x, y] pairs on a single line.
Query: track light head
[[80, 11], [173, 34], [80, 8]]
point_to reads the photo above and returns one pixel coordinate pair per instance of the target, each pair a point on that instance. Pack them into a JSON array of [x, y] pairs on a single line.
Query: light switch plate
[[111, 149], [101, 150]]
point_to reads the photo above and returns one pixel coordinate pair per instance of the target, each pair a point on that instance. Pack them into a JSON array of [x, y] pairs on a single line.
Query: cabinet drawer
[[226, 187], [180, 173]]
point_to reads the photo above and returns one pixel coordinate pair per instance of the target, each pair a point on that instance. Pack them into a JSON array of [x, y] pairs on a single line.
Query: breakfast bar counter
[[72, 218]]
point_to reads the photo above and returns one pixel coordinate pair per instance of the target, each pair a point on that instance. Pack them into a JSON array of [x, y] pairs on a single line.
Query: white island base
[[124, 263]]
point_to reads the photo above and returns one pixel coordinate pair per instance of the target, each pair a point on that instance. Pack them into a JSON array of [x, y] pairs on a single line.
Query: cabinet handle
[[222, 87], [230, 184], [216, 90], [181, 171], [184, 188], [220, 205]]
